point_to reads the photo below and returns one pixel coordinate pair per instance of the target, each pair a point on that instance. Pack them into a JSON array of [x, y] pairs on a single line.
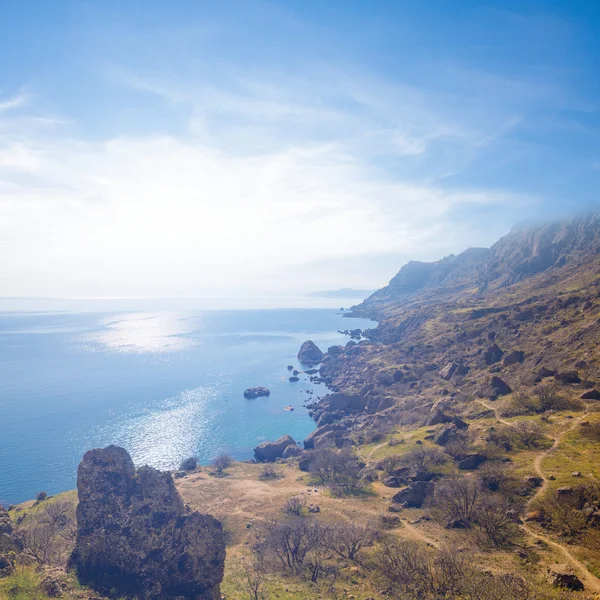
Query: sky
[[193, 148]]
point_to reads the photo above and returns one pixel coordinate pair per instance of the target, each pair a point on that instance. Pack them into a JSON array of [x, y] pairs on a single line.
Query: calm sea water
[[165, 385]]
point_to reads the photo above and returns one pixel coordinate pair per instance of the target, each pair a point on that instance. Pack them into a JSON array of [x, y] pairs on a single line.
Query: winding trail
[[591, 582]]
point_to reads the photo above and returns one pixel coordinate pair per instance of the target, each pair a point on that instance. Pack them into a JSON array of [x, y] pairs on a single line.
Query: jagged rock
[[291, 451], [305, 461], [438, 417], [256, 392], [7, 565], [446, 434], [52, 582], [471, 461], [269, 451], [335, 350], [8, 540], [414, 495], [514, 357], [544, 372], [134, 536], [568, 377], [492, 355], [311, 438], [392, 482], [310, 354], [566, 581], [496, 387], [591, 395], [460, 424], [398, 375], [452, 369]]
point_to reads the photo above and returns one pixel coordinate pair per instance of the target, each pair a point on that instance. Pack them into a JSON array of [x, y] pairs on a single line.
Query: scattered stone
[[310, 354], [256, 392], [134, 537], [269, 451], [576, 474]]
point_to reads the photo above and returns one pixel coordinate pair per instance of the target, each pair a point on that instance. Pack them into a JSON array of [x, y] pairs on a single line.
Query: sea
[[166, 383]]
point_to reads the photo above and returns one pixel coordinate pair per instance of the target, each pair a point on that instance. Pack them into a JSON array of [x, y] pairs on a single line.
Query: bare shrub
[[528, 434], [221, 462], [493, 476], [424, 459], [252, 575], [496, 519], [457, 498], [269, 473], [348, 538], [295, 506]]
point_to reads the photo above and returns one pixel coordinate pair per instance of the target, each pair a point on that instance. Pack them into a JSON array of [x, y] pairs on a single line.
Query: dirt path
[[495, 410], [591, 582], [418, 534]]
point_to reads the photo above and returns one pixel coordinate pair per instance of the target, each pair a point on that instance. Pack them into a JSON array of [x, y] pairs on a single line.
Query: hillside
[[457, 455]]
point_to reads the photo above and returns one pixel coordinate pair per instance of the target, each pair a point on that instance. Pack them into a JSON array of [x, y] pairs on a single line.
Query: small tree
[[252, 576], [221, 462], [457, 498]]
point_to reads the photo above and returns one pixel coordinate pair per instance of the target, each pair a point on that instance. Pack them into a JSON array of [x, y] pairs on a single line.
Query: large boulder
[[414, 495], [270, 451], [514, 357], [291, 451], [591, 395], [312, 440], [492, 355], [335, 350], [495, 387], [310, 354], [471, 461], [134, 537], [446, 434], [452, 369]]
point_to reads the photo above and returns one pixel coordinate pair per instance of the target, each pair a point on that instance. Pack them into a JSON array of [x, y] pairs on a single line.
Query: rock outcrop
[[8, 544], [414, 495], [270, 451], [256, 392], [134, 536], [310, 354]]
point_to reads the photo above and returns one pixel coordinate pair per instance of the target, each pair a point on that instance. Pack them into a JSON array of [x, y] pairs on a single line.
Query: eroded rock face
[[8, 544], [134, 536]]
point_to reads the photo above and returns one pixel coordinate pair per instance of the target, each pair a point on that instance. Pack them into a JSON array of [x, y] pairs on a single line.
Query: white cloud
[[267, 180]]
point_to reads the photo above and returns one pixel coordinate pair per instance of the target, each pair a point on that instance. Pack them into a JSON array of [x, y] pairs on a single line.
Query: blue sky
[[191, 148]]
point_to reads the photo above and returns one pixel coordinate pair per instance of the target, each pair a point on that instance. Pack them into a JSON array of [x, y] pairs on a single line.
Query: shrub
[[221, 462], [339, 471], [189, 464], [269, 473], [294, 507], [527, 433]]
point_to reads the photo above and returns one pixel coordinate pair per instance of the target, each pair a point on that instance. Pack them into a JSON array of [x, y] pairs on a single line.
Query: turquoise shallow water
[[165, 385]]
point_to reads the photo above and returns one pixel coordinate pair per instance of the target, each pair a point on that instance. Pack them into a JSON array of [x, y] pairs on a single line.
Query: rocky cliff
[[136, 538]]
